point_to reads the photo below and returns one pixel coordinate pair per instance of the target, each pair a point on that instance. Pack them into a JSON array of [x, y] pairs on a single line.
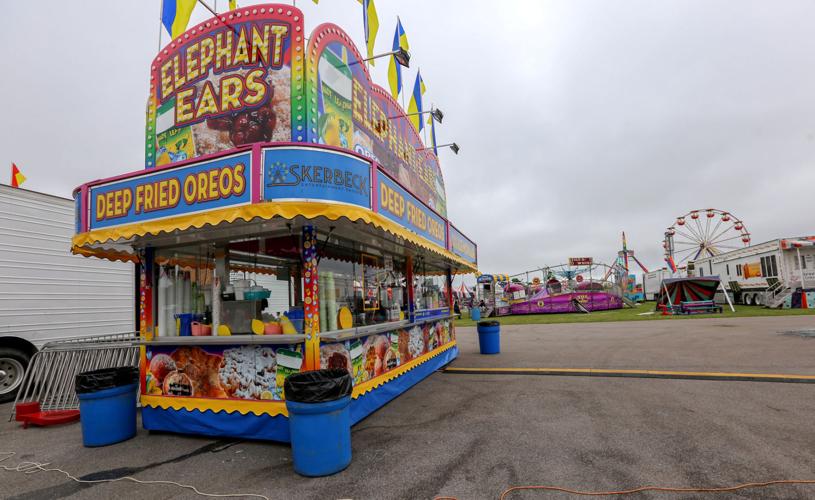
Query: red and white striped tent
[[463, 292]]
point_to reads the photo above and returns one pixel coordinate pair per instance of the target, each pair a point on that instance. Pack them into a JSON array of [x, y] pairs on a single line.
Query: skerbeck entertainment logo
[[279, 175], [295, 174]]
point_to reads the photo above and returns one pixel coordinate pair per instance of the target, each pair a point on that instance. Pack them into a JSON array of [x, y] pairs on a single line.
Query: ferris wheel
[[704, 233]]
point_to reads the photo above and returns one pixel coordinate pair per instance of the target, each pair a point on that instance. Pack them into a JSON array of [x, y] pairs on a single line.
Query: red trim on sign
[[83, 207], [257, 173], [374, 186], [220, 154]]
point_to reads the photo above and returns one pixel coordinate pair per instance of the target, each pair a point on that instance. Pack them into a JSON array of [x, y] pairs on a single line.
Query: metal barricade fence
[[52, 371]]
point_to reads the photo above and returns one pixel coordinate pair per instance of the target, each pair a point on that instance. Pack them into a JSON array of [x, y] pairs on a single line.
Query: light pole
[[435, 113], [453, 146], [401, 55]]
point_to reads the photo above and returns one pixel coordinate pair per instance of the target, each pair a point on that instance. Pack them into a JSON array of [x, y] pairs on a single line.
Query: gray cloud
[[577, 119]]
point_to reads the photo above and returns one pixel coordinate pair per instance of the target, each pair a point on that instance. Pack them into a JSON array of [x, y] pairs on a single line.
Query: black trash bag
[[489, 323], [106, 378], [319, 386]]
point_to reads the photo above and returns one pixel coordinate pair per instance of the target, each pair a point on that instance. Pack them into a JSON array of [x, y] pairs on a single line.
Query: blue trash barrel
[[319, 421], [489, 337], [475, 313], [107, 405], [320, 436]]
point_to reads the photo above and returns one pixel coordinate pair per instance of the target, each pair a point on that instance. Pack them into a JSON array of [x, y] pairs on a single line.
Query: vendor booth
[[490, 295], [288, 218]]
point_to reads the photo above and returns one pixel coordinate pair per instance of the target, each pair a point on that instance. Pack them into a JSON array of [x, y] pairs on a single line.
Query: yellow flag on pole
[[371, 23], [394, 69], [415, 106], [175, 15]]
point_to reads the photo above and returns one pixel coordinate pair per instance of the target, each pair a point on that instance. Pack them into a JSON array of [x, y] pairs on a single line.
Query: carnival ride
[[633, 291], [703, 233], [564, 288]]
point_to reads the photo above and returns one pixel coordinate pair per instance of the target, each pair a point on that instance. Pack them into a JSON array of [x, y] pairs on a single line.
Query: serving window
[[362, 291], [255, 289], [430, 290]]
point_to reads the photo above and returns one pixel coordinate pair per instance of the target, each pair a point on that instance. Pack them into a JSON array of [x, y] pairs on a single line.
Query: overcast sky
[[577, 119]]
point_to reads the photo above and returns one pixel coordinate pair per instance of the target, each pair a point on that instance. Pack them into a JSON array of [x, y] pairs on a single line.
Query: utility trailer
[[652, 282], [46, 293], [773, 274]]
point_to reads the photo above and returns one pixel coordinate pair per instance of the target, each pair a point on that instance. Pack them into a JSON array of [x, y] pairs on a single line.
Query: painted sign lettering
[[398, 205], [227, 82], [210, 184]]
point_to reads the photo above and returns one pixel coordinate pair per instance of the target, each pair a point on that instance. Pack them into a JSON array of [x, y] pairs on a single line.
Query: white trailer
[[652, 282], [46, 293], [764, 274]]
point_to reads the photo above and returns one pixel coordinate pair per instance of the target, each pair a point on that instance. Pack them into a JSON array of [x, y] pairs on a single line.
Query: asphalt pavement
[[472, 436]]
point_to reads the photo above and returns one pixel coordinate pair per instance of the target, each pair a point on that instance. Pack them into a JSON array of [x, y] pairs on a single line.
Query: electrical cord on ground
[[664, 489], [35, 467]]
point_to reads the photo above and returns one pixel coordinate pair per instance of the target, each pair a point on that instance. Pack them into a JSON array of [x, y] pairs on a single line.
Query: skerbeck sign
[[300, 173]]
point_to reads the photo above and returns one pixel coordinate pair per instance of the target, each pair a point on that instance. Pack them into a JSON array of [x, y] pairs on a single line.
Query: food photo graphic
[[372, 356], [243, 372]]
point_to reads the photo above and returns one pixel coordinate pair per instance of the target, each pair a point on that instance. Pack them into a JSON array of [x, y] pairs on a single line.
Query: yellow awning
[[84, 243]]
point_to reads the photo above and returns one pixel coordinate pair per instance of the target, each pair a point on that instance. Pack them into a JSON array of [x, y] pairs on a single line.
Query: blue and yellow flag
[[175, 15], [371, 21], [233, 4], [394, 68], [415, 106]]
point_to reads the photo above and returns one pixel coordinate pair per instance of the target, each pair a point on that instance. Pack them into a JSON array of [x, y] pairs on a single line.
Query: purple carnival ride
[[582, 285]]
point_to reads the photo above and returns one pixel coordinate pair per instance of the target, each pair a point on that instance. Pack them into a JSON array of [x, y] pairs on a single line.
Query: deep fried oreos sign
[[308, 174]]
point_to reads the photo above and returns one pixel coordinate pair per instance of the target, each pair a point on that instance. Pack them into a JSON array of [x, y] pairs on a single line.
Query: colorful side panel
[[347, 110], [275, 427], [372, 357]]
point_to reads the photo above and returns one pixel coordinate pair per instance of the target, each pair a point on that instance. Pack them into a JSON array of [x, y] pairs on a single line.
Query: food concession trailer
[[268, 158]]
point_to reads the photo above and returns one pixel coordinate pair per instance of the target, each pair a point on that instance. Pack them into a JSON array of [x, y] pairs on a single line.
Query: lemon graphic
[[266, 395]]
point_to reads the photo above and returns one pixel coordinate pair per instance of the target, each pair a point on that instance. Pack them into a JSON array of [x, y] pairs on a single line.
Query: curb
[[658, 374]]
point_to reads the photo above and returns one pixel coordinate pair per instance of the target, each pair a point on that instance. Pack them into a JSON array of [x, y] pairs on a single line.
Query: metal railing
[[775, 294], [51, 374]]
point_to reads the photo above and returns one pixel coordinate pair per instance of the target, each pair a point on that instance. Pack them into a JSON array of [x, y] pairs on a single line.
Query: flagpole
[[365, 33], [424, 128], [160, 24], [202, 2]]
